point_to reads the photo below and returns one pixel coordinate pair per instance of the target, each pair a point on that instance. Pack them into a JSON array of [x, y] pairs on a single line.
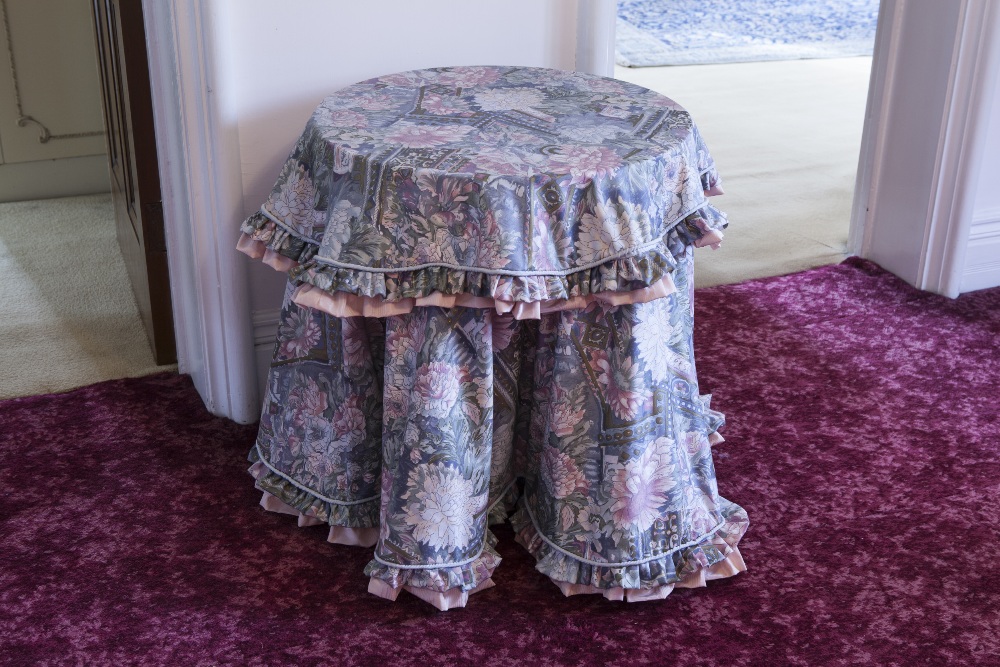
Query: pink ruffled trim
[[353, 537], [258, 250], [712, 239], [344, 304], [452, 598], [731, 566]]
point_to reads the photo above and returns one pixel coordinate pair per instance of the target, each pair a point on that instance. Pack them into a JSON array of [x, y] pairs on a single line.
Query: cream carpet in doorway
[[786, 137], [67, 315]]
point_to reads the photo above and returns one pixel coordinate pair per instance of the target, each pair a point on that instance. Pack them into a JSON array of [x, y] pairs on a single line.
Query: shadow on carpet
[[863, 440]]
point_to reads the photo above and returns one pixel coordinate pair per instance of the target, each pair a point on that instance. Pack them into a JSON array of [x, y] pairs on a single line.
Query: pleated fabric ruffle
[[350, 292], [710, 556]]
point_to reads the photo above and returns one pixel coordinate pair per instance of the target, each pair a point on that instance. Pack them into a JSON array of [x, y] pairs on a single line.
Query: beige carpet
[[786, 137], [67, 315]]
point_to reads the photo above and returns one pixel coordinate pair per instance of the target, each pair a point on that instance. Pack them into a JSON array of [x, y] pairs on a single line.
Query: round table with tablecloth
[[489, 317]]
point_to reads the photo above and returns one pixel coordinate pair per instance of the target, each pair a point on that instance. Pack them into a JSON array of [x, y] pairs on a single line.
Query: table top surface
[[502, 121]]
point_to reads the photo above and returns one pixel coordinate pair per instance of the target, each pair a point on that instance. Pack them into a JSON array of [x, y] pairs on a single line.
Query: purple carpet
[[863, 440]]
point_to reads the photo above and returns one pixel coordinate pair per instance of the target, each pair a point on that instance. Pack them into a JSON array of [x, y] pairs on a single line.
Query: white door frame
[[201, 173], [923, 139]]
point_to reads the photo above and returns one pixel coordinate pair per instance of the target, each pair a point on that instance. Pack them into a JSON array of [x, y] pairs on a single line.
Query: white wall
[[279, 60]]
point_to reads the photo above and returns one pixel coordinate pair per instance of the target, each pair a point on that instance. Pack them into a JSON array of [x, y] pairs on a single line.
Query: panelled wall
[[51, 127]]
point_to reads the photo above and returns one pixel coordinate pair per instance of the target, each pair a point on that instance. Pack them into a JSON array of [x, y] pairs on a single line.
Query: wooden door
[[135, 177]]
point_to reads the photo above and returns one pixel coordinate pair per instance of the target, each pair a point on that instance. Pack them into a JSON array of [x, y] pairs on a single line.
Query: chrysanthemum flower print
[[639, 488], [624, 389], [306, 397], [551, 245], [412, 135], [583, 163], [396, 394], [357, 352], [593, 134], [567, 411], [295, 203], [560, 473], [605, 232], [652, 335], [467, 77], [298, 333], [437, 388], [342, 118], [504, 328], [445, 105], [442, 506], [349, 423], [594, 519], [506, 99], [499, 162]]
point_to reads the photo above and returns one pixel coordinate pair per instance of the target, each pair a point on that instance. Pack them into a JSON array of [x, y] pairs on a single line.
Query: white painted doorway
[[200, 88]]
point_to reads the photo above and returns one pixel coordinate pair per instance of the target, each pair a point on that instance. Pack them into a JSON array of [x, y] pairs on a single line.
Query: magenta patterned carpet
[[863, 440]]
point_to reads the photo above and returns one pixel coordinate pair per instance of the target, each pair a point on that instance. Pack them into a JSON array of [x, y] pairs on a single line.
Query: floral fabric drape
[[414, 431]]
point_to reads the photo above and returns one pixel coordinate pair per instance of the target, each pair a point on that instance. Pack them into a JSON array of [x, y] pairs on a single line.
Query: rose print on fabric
[[442, 506]]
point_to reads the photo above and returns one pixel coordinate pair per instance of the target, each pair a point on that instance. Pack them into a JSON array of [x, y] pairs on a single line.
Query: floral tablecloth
[[488, 316]]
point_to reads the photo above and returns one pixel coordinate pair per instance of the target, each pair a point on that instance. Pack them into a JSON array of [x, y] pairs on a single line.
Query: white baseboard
[[265, 328], [982, 258], [45, 179]]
